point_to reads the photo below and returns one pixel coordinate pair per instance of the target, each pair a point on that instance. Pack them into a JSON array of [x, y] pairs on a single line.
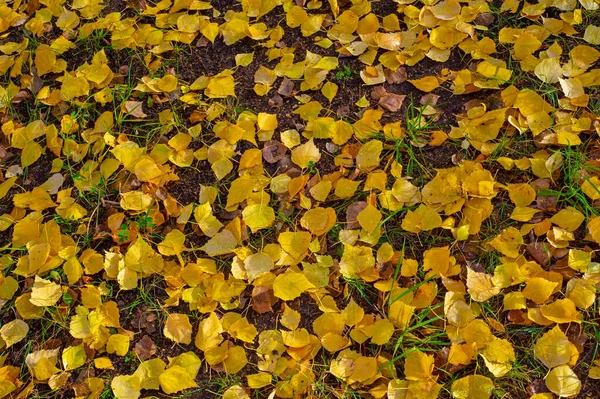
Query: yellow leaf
[[207, 222], [73, 86], [499, 355], [355, 260], [426, 84], [118, 343], [539, 289], [362, 102], [13, 332], [258, 264], [244, 59], [258, 216], [352, 314], [568, 218], [135, 201], [45, 59], [554, 348], [290, 285], [103, 363], [508, 242], [345, 188], [369, 218], [549, 70], [480, 286], [383, 331], [31, 153], [45, 292], [297, 338], [290, 318], [563, 381], [318, 220], [365, 368], [592, 34], [210, 31], [221, 244], [296, 16], [418, 365], [446, 10], [591, 187], [175, 379], [329, 90], [594, 372], [562, 311], [73, 357], [368, 155], [421, 219], [258, 380], [167, 83], [373, 75], [189, 361], [6, 185], [221, 85], [173, 244], [126, 387], [472, 387], [148, 372], [400, 314], [178, 328], [209, 333], [237, 392], [305, 154], [295, 243], [188, 23], [582, 292]]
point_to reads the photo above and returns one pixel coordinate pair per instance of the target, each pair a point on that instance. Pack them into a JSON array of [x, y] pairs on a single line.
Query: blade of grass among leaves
[[299, 199]]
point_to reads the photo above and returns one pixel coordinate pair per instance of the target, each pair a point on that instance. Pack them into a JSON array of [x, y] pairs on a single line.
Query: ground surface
[[299, 199]]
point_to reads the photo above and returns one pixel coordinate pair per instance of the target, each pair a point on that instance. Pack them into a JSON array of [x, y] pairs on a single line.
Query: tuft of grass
[[345, 73], [574, 171], [360, 288]]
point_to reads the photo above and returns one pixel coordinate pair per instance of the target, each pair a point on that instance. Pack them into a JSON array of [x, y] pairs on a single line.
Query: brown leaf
[[485, 19], [429, 99], [286, 88], [261, 300], [517, 316], [4, 154], [84, 375], [202, 42], [32, 7], [273, 151], [144, 320], [343, 111], [576, 335], [395, 77], [134, 108], [352, 213], [562, 266], [536, 386], [197, 116], [136, 4], [540, 184], [392, 102], [546, 203], [378, 92], [145, 348], [539, 252], [276, 101], [81, 390]]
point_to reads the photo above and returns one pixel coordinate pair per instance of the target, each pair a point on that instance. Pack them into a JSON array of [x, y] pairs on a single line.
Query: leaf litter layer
[[341, 198]]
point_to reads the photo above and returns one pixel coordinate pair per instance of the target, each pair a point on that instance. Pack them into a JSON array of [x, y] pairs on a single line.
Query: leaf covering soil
[[299, 199]]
